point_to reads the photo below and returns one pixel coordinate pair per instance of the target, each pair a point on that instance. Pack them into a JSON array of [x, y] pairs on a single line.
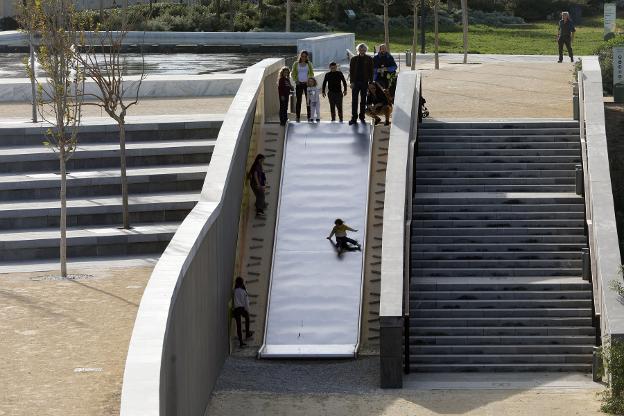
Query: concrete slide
[[315, 295]]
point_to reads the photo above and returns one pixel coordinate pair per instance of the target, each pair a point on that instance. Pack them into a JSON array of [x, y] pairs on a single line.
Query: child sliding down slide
[[342, 241]]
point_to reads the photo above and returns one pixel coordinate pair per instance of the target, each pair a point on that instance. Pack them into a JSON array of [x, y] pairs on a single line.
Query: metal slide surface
[[314, 303]]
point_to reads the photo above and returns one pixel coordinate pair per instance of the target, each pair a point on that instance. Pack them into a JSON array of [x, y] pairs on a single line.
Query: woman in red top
[[284, 89]]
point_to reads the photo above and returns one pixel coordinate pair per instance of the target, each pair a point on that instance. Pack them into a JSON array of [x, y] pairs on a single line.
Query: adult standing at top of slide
[[360, 74], [565, 35]]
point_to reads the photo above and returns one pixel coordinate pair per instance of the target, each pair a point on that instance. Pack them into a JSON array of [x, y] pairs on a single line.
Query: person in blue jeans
[[360, 74]]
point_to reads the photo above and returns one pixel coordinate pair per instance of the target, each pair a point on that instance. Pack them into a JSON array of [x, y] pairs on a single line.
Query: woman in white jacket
[[241, 308]]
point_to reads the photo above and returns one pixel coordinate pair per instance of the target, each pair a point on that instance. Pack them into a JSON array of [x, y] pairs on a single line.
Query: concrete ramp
[[315, 296]]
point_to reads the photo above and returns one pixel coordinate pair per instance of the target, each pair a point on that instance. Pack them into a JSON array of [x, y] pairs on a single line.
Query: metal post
[[575, 101], [597, 365], [586, 264], [408, 58], [423, 14], [579, 179]]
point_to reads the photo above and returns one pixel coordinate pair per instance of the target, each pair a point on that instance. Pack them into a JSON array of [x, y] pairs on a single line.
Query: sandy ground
[[408, 403], [146, 106], [64, 342]]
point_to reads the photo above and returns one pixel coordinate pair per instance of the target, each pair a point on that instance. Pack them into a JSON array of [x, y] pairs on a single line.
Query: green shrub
[[605, 57], [613, 396]]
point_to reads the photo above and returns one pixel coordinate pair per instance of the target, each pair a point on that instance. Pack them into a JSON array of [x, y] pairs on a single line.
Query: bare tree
[[59, 99], [288, 12], [464, 6], [386, 18], [436, 29], [106, 69], [415, 4]]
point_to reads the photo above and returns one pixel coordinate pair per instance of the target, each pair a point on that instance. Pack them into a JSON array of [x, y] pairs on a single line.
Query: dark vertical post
[[423, 14], [579, 179]]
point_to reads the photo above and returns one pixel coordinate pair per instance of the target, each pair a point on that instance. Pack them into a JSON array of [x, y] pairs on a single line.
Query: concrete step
[[472, 145], [500, 359], [94, 156], [499, 124], [86, 242], [569, 180], [514, 249], [499, 161], [494, 215], [423, 137], [499, 239], [497, 231], [498, 223], [34, 186], [470, 256], [577, 207], [495, 188], [494, 312], [177, 128], [418, 295], [500, 368], [437, 329], [521, 131], [492, 174], [496, 198], [472, 153], [503, 340], [518, 284], [495, 272], [489, 263], [501, 322], [157, 208], [573, 349], [495, 164]]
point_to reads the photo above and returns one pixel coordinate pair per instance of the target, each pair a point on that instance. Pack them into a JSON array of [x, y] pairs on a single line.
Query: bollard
[[579, 179], [575, 101], [586, 264], [408, 58], [292, 102], [597, 365]]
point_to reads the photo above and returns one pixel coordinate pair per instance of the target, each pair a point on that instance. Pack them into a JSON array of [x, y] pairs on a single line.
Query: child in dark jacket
[[337, 88], [284, 89]]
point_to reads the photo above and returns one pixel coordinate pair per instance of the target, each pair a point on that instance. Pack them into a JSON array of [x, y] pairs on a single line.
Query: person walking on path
[[565, 35], [284, 89], [336, 89], [342, 241], [302, 70], [360, 74], [257, 181], [385, 68], [314, 101], [378, 102], [241, 309]]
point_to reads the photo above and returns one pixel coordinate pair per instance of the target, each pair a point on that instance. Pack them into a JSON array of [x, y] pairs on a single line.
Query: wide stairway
[[497, 233], [166, 169]]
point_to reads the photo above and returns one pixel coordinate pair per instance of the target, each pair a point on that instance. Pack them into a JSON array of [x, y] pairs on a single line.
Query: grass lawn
[[537, 39]]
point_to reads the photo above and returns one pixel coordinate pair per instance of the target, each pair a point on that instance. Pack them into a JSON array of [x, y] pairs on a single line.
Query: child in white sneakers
[[314, 100]]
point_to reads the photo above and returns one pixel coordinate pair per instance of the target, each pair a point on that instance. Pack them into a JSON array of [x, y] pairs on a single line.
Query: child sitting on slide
[[342, 241]]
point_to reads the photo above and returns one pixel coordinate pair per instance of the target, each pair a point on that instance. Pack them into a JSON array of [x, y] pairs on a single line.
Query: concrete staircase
[[166, 169], [497, 232]]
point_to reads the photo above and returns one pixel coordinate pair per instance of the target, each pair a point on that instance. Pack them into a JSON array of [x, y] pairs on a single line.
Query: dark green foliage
[[605, 57], [613, 396], [8, 23]]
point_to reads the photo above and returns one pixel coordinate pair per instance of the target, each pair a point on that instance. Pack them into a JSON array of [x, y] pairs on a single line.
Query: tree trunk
[[102, 9], [415, 37], [288, 6], [124, 179], [386, 26], [63, 219], [464, 4], [218, 11], [437, 34], [232, 15], [33, 86]]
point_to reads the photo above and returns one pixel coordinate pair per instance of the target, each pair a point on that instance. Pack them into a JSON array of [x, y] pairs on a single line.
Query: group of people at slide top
[[372, 82]]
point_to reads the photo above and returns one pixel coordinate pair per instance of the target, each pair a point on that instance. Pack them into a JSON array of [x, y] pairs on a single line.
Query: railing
[[599, 209], [394, 295], [180, 337]]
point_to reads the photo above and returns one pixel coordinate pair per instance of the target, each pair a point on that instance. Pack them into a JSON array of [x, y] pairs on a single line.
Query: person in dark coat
[[385, 67], [565, 35], [241, 310], [378, 102], [257, 181], [336, 89], [360, 74], [284, 89]]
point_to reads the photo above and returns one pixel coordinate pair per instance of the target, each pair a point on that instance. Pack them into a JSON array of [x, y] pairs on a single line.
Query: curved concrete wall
[[600, 211], [395, 234], [180, 338]]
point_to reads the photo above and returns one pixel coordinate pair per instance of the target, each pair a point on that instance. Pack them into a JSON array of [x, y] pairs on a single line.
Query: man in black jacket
[[360, 74], [337, 88]]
